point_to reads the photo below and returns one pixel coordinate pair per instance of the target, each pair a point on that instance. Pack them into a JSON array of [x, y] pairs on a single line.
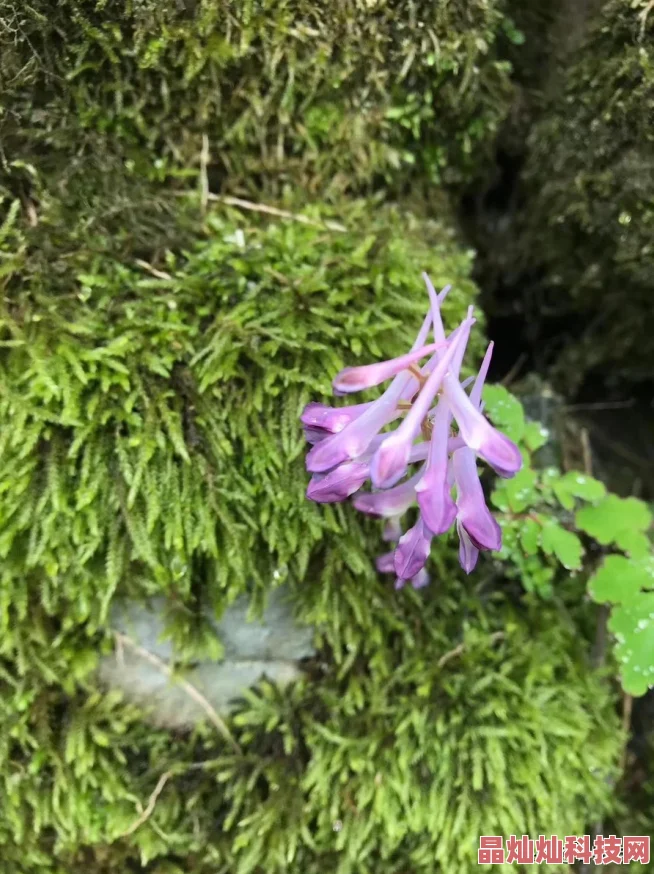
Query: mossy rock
[[333, 97], [439, 720], [151, 437], [584, 249]]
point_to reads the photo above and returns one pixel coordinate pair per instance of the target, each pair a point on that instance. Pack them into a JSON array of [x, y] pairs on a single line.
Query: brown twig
[[189, 688], [269, 210], [160, 274], [147, 811], [204, 177]]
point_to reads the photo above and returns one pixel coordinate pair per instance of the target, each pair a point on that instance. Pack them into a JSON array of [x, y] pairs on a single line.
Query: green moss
[[332, 96], [150, 436], [438, 721], [588, 200]]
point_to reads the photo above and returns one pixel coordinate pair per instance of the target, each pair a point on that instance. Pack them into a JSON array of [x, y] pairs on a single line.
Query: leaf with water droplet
[[611, 517], [632, 624], [505, 411], [534, 436], [618, 581], [530, 536], [577, 485]]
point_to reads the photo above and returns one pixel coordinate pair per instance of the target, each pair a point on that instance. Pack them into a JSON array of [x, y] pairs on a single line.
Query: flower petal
[[472, 512], [390, 461], [393, 502], [412, 551], [433, 493], [352, 379], [420, 580], [495, 448], [331, 419], [385, 563], [338, 484], [468, 552]]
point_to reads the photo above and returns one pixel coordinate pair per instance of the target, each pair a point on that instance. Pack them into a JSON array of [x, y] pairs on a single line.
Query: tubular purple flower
[[500, 452], [390, 461], [338, 484], [389, 503], [468, 552], [331, 419], [472, 513], [433, 493], [412, 551], [314, 435], [353, 440], [475, 394], [353, 379]]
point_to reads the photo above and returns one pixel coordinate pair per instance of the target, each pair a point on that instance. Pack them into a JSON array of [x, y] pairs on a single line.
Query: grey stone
[[270, 647]]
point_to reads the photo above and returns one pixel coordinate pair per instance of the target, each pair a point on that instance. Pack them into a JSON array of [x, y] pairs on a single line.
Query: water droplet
[[643, 623]]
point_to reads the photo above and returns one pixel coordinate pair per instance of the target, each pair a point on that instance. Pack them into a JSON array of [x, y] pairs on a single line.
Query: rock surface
[[271, 647]]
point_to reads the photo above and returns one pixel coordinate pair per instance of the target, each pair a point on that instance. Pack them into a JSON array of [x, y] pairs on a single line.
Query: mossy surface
[[331, 96]]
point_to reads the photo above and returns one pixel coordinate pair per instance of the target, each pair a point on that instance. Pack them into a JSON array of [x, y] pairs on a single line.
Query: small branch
[[153, 270], [453, 653], [147, 812], [189, 688], [204, 177], [149, 808], [269, 210]]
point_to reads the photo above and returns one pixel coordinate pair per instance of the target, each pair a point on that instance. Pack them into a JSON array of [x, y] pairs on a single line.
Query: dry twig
[[189, 688]]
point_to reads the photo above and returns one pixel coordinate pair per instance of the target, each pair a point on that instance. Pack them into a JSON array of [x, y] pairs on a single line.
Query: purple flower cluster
[[349, 447]]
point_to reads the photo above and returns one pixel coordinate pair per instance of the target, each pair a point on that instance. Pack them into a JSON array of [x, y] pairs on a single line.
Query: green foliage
[[439, 717], [150, 437], [589, 187], [544, 516], [331, 96]]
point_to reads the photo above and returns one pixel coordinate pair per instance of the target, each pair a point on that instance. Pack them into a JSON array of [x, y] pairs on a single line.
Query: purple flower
[[351, 445], [389, 463], [330, 419], [412, 551], [468, 552], [353, 379], [338, 484], [433, 492], [471, 511], [496, 449]]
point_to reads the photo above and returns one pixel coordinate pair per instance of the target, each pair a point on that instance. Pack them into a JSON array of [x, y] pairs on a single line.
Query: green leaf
[[613, 516], [634, 543], [563, 544], [619, 580], [535, 436], [530, 536], [505, 411], [577, 485], [521, 490], [633, 627]]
